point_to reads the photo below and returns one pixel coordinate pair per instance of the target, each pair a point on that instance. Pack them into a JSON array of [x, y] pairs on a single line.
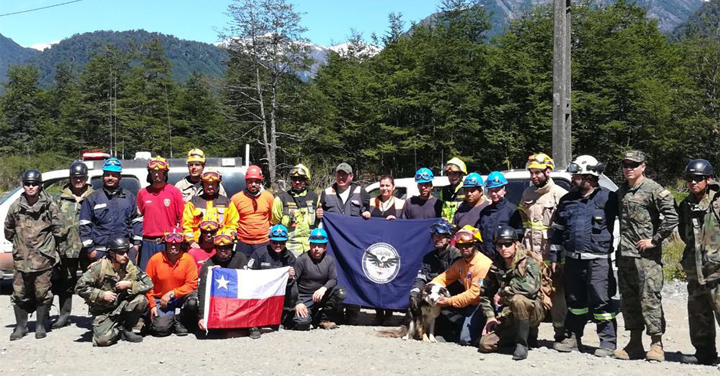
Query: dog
[[422, 320]]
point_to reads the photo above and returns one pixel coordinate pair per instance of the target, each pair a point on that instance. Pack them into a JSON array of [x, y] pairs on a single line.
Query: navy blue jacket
[[103, 215], [501, 213], [585, 224]]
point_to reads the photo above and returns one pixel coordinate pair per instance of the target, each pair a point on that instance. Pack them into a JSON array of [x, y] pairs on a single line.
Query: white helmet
[[586, 165]]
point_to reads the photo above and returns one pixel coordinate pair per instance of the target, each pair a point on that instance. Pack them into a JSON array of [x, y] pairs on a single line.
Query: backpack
[[546, 281]]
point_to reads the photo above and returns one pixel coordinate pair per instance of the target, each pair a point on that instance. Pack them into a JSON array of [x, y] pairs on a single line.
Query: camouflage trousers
[[32, 289], [520, 308], [107, 327], [641, 281], [703, 312]]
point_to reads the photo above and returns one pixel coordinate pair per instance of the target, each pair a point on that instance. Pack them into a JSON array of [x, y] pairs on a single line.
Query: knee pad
[[302, 323], [191, 304], [340, 293]]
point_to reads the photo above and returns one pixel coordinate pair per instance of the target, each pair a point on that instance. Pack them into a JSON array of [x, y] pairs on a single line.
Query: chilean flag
[[238, 298]]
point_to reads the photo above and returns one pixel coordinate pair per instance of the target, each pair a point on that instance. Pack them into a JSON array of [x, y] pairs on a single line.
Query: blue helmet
[[112, 165], [441, 227], [424, 175], [496, 180], [473, 180], [278, 233], [318, 236]]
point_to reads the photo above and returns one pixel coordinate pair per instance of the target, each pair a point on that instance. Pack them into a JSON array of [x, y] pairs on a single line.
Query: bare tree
[[267, 47]]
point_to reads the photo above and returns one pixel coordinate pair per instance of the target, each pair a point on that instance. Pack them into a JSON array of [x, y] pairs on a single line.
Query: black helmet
[[699, 167], [117, 243], [78, 169], [32, 176], [506, 233]]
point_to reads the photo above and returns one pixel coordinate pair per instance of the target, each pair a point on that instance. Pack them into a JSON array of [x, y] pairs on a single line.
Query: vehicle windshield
[[9, 194]]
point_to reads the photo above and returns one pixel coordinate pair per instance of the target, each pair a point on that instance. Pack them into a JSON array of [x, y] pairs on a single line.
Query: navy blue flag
[[377, 259]]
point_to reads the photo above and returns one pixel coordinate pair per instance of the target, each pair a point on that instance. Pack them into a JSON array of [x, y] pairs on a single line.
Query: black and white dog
[[422, 322]]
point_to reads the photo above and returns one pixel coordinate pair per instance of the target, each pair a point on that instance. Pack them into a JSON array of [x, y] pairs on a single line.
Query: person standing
[[161, 206], [70, 245], [33, 223], [699, 226], [468, 213], [114, 290], [345, 198], [537, 209], [295, 209], [209, 206], [254, 206], [386, 205], [500, 212], [191, 185], [107, 213], [452, 195], [583, 227], [647, 217], [425, 205]]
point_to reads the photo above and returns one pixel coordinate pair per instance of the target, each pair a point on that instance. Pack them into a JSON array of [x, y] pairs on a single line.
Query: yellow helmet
[[468, 234], [540, 161], [158, 163], [456, 162], [300, 170], [196, 155], [225, 237]]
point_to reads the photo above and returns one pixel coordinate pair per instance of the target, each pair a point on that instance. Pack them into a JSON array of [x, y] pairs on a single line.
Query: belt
[[586, 256], [151, 237]]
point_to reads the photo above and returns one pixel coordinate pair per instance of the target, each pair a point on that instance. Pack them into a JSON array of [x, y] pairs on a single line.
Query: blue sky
[[328, 21]]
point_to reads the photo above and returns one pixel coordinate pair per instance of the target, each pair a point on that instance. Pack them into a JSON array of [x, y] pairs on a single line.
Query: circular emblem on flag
[[381, 263], [166, 202]]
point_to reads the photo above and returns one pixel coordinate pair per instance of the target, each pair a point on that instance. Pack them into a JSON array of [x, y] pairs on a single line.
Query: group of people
[[507, 267]]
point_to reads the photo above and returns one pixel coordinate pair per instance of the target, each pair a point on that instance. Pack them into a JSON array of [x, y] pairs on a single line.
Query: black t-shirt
[[417, 208]]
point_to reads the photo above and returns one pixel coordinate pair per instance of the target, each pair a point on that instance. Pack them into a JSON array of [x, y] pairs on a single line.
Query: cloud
[[43, 46]]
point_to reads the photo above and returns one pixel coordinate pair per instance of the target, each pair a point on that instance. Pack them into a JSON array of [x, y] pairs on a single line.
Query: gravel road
[[347, 350]]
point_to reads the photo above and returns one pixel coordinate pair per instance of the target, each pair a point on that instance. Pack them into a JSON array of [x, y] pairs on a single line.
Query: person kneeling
[[319, 297], [114, 289], [513, 288], [175, 276]]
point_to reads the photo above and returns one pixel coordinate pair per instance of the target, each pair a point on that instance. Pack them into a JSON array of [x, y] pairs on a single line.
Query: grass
[[672, 253]]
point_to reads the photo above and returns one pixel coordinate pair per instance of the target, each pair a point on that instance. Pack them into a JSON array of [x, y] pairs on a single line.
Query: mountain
[[669, 13], [704, 22], [185, 56]]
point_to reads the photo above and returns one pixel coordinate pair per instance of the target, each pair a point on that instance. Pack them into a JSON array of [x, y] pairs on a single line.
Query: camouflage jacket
[[101, 277], [700, 230], [523, 278], [32, 231], [70, 243], [647, 211]]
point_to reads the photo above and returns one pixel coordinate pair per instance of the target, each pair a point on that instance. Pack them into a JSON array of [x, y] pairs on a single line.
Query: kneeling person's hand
[[301, 310]]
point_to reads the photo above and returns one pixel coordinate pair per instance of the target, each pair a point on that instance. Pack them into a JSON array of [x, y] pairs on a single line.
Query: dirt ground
[[347, 350]]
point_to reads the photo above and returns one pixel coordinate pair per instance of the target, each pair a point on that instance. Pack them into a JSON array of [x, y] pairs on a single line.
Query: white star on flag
[[222, 282]]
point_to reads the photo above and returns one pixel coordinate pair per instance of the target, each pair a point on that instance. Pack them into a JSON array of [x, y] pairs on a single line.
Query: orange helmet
[[158, 163], [468, 234], [211, 177], [254, 172]]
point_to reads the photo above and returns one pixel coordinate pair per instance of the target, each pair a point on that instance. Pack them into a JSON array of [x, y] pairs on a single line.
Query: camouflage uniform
[[700, 230], [520, 299], [32, 231], [69, 245], [647, 211], [108, 317]]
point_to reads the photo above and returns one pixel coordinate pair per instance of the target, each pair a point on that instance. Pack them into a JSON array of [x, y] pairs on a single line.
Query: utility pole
[[562, 129]]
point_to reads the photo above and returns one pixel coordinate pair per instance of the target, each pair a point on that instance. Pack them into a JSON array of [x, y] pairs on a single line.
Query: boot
[[255, 332], [656, 353], [132, 319], [21, 318], [571, 343], [128, 335], [559, 333], [698, 359], [634, 349], [40, 318], [523, 331], [533, 338], [65, 308], [180, 329]]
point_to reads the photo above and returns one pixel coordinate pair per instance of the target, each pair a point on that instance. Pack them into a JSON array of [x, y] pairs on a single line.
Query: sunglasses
[[503, 245], [31, 184], [695, 178], [464, 245], [173, 238], [277, 243], [121, 252], [631, 166]]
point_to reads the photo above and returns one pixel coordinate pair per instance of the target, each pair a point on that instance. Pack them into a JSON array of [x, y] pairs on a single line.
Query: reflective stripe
[[84, 222], [87, 243], [555, 247], [138, 219], [421, 276], [535, 226], [604, 316], [415, 290], [558, 227], [579, 311], [586, 256], [137, 237]]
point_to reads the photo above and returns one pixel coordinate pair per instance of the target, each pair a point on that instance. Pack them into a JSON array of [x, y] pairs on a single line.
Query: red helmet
[[253, 172]]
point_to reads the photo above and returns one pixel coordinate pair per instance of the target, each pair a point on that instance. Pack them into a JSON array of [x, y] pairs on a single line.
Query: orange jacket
[[181, 278], [471, 274], [255, 214], [199, 209]]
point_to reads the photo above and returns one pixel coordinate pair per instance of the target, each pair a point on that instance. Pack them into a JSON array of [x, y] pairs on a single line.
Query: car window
[[233, 183], [175, 177], [400, 192], [54, 187], [128, 182]]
